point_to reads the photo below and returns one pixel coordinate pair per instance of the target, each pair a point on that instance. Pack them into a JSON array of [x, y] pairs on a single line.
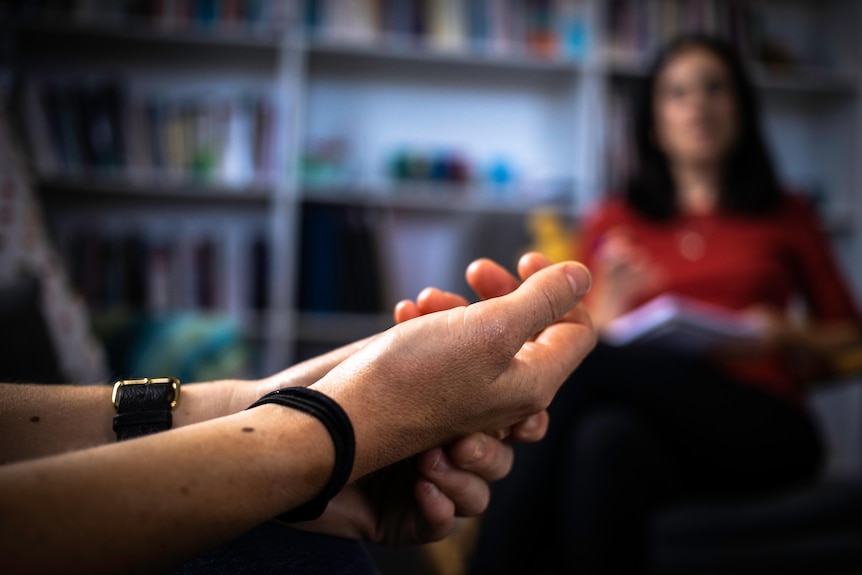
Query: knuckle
[[477, 503], [539, 401]]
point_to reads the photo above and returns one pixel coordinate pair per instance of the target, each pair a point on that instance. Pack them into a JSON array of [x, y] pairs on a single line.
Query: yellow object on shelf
[[550, 235]]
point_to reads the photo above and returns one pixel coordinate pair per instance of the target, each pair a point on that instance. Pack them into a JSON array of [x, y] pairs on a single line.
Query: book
[[446, 25], [549, 29], [245, 16], [681, 325], [95, 126], [340, 261]]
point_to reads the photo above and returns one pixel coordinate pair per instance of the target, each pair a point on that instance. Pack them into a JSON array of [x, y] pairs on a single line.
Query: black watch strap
[[144, 406]]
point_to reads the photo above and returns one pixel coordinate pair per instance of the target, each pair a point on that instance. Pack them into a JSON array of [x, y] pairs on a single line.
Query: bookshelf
[[433, 128], [161, 147]]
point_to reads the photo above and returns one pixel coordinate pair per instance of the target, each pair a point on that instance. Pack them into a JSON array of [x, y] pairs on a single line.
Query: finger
[[406, 310], [468, 492], [530, 263], [531, 429], [436, 515], [482, 454], [432, 300], [489, 279], [555, 352], [542, 299]]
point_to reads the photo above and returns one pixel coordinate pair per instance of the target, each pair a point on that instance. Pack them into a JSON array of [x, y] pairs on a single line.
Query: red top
[[738, 261]]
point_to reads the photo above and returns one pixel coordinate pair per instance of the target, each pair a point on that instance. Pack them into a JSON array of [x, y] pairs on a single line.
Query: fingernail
[[432, 489], [530, 424], [479, 442], [579, 278], [440, 465], [425, 293]]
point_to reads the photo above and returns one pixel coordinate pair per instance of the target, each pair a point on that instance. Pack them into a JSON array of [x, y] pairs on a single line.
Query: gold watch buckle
[[173, 381]]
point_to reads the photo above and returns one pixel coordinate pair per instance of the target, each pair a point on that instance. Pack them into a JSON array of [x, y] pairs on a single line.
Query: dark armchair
[[811, 529]]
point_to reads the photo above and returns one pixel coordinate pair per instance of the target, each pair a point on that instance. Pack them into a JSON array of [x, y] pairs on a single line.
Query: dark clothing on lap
[[631, 430], [274, 548]]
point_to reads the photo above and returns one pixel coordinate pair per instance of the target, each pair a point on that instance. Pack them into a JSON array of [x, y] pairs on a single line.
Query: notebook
[[681, 325]]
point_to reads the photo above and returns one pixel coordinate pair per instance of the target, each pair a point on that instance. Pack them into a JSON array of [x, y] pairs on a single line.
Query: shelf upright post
[[591, 113], [854, 193], [854, 202], [280, 321]]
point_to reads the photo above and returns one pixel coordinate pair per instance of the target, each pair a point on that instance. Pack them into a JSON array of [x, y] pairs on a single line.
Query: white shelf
[[120, 188], [432, 198], [416, 54], [339, 328]]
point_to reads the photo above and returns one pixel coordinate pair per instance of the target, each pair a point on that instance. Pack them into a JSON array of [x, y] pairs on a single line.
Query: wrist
[[289, 450], [376, 428], [214, 399], [386, 430], [338, 426]]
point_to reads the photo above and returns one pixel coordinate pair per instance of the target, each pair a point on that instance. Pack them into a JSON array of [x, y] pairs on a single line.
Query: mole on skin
[[247, 429], [35, 419]]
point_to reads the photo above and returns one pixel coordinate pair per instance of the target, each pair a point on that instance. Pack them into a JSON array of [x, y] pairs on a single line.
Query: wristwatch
[[144, 405]]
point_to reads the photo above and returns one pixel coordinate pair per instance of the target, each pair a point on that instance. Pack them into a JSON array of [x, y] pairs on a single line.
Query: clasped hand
[[488, 370]]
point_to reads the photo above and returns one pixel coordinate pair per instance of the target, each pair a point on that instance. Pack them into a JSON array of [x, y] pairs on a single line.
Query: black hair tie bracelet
[[337, 424]]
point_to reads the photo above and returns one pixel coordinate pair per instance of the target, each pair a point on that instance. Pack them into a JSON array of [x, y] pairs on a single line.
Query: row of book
[[138, 272], [637, 27], [541, 28], [246, 16], [340, 265], [97, 127]]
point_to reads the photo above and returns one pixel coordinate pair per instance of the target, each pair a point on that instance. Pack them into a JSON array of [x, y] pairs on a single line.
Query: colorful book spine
[[93, 126], [639, 27], [139, 271], [552, 29], [251, 16]]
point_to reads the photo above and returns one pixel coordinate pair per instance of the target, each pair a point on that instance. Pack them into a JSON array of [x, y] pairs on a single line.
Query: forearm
[[153, 502], [50, 419]]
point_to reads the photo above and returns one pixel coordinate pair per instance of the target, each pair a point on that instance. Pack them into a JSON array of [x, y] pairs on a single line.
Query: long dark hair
[[748, 185]]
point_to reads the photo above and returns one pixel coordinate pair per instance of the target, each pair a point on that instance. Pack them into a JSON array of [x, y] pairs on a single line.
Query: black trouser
[[632, 430], [273, 548]]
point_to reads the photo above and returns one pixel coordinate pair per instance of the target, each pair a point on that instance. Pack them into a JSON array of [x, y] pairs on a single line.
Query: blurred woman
[[702, 217]]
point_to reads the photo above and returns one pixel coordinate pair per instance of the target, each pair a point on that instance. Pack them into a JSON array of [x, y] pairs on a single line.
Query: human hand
[[768, 327], [445, 375], [488, 280], [779, 336], [624, 273], [415, 501]]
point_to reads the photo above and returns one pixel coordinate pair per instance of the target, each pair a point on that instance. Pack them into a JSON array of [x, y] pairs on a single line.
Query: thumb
[[543, 298]]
